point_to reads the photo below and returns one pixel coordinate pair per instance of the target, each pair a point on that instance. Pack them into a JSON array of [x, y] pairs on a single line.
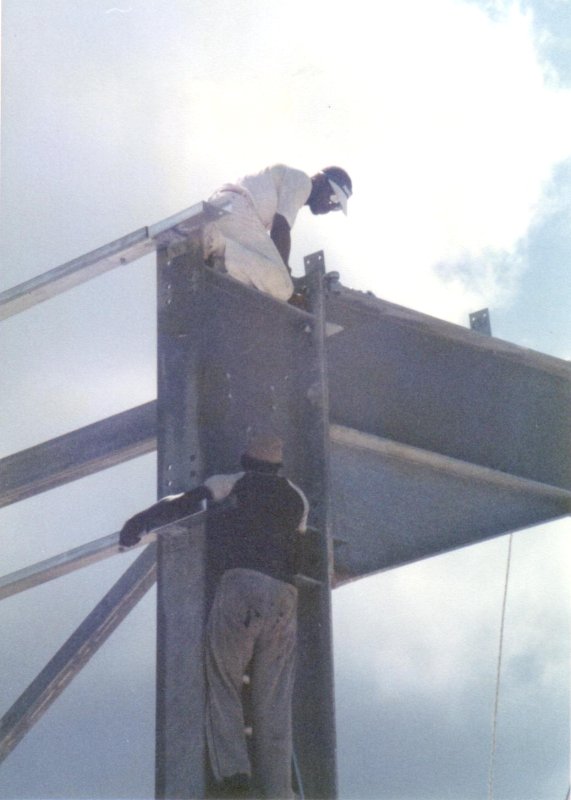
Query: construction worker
[[253, 619], [268, 202]]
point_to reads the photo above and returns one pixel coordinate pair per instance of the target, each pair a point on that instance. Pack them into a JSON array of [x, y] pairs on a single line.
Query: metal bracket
[[480, 322]]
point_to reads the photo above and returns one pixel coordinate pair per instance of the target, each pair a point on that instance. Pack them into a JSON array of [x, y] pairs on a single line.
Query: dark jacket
[[259, 530]]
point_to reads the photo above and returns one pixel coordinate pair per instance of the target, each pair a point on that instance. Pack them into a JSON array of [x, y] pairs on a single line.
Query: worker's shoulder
[[221, 485], [280, 172], [304, 505], [300, 174], [293, 485]]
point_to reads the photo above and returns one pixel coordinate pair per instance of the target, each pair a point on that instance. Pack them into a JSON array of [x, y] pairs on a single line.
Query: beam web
[[180, 742]]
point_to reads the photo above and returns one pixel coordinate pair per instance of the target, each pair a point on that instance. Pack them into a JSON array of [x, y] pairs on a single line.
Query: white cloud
[[433, 627], [442, 114]]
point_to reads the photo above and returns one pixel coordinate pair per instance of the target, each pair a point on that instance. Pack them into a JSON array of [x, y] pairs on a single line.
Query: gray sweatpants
[[253, 619], [250, 256]]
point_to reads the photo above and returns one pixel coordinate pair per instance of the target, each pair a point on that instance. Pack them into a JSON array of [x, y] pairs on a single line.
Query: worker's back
[[260, 530]]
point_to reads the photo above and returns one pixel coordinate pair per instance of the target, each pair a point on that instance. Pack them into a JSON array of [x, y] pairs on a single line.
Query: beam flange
[[444, 464], [180, 760], [395, 504]]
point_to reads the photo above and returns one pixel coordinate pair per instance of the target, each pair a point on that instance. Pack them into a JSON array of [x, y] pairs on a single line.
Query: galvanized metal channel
[[115, 254]]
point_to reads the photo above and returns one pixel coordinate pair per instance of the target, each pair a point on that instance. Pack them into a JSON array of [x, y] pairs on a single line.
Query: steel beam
[[74, 455], [180, 741], [510, 503], [122, 251], [77, 651], [407, 377], [395, 504], [314, 706], [260, 370]]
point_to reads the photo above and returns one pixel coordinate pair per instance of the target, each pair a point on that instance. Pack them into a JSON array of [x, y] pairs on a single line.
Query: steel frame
[[192, 371]]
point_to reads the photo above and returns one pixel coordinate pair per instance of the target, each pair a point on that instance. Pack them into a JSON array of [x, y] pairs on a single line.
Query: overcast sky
[[454, 120]]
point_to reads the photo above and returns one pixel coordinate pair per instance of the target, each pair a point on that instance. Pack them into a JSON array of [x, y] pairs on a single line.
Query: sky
[[453, 118]]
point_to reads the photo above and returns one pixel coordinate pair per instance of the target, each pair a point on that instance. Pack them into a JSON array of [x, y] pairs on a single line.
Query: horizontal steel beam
[[410, 458], [366, 310], [77, 651], [406, 377], [82, 452], [395, 504], [122, 251]]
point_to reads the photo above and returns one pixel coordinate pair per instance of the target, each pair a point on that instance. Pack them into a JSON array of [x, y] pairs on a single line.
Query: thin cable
[[498, 674], [298, 779]]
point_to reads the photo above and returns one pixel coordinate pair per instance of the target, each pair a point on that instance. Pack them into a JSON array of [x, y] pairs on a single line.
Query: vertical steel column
[[180, 745], [314, 710]]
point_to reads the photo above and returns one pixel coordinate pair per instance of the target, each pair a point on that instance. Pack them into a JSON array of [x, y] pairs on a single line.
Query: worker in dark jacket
[[252, 622]]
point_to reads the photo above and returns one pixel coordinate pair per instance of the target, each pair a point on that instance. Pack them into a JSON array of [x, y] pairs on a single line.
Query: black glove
[[132, 531]]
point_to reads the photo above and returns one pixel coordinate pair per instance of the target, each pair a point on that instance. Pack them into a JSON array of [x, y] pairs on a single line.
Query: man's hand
[[132, 531]]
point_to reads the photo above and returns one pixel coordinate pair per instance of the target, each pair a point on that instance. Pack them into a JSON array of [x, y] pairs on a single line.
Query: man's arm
[[281, 237], [167, 510]]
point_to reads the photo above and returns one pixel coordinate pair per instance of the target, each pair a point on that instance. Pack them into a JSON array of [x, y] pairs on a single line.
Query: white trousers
[[249, 254], [253, 622]]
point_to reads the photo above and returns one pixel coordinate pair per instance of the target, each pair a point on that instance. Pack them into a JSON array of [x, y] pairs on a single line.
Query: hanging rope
[[297, 775], [499, 670]]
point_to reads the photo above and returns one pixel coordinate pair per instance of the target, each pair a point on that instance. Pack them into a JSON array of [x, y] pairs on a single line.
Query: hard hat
[[341, 185]]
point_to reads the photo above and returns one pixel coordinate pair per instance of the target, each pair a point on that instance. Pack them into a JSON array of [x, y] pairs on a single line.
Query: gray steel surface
[[62, 564], [314, 697], [180, 769], [371, 400], [393, 504], [413, 379], [363, 549], [441, 437], [260, 371]]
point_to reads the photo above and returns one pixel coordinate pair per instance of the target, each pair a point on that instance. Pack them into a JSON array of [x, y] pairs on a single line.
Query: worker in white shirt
[[252, 243]]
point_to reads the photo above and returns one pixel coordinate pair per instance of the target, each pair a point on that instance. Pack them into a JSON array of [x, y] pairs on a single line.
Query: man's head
[[265, 447], [330, 190]]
